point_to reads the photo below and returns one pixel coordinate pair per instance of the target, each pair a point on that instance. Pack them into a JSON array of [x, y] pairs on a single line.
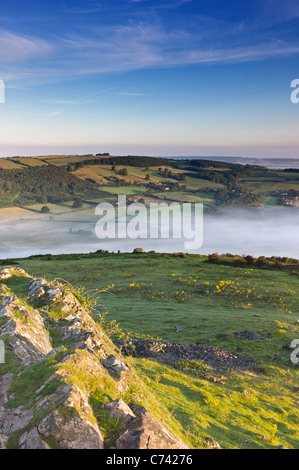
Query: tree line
[[31, 185]]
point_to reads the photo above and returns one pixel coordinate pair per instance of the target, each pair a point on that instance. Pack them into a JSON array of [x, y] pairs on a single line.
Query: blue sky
[[167, 77]]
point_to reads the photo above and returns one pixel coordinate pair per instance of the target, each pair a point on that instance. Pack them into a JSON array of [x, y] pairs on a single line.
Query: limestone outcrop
[[63, 382]]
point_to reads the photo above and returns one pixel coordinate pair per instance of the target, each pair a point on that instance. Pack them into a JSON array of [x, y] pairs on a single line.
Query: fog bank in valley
[[254, 231]]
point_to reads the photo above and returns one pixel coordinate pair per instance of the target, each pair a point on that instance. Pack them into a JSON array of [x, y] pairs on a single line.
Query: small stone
[[3, 440], [211, 443], [119, 409], [119, 368], [251, 335], [5, 274], [111, 361], [278, 356]]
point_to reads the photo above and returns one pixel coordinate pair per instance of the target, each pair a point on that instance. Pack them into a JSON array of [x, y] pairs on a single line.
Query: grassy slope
[[155, 295]]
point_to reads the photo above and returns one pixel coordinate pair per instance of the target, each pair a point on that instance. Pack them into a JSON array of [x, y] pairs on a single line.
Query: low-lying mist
[[254, 231]]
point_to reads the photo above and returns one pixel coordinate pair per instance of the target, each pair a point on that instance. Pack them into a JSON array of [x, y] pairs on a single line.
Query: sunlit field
[[187, 299]]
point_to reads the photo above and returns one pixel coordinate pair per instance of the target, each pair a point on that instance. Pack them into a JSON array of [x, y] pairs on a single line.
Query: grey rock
[[146, 432], [55, 351], [14, 419], [111, 361], [36, 289], [5, 383], [114, 364], [72, 432], [211, 443], [119, 367], [32, 440], [53, 293], [29, 338], [119, 409], [5, 274], [3, 440], [251, 335]]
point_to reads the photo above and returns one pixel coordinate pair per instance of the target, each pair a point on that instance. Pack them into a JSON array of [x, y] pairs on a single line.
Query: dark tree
[[77, 204], [43, 199]]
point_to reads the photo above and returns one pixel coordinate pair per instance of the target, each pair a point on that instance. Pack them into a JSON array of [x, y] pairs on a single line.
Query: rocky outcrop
[[27, 331], [144, 431], [251, 335], [173, 353], [60, 372]]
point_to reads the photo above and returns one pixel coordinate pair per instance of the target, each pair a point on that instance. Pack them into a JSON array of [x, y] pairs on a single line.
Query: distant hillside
[[29, 181], [266, 162]]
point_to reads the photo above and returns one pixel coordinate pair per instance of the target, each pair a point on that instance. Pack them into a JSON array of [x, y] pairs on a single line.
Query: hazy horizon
[[157, 154], [132, 150]]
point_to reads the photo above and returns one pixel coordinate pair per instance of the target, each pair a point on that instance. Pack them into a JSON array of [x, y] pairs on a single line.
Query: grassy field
[[182, 196], [189, 300], [127, 190], [261, 181], [8, 164], [265, 181]]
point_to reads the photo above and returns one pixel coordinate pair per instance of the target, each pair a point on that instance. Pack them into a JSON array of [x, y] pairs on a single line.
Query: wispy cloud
[[161, 5], [143, 45], [77, 101], [174, 4], [56, 113], [19, 48], [100, 92], [237, 54], [275, 11], [131, 93], [60, 101], [135, 45], [90, 6]]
